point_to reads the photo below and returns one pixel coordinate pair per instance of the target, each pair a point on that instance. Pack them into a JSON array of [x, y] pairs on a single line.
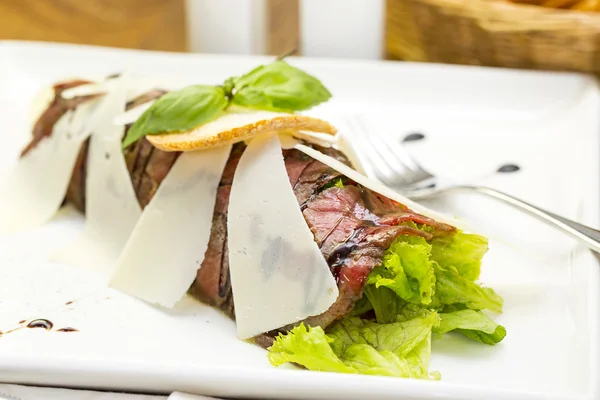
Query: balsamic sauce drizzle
[[413, 137], [68, 329], [40, 323], [507, 168]]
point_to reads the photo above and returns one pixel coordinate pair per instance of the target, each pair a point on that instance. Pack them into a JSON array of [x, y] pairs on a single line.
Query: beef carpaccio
[[352, 225]]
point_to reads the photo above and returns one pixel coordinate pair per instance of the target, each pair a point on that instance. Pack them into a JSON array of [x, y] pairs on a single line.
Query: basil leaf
[[279, 87], [178, 111]]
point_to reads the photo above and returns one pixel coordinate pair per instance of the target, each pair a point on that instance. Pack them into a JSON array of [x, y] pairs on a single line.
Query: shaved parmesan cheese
[[135, 87], [36, 187], [345, 147], [84, 90], [143, 84], [112, 208], [378, 187], [236, 127], [39, 104], [132, 115], [167, 246], [320, 139], [287, 141], [278, 274]]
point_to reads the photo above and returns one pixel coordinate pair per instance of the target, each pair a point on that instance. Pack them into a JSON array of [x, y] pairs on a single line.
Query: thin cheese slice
[[112, 208], [35, 188], [379, 187], [320, 139], [289, 139], [132, 115], [167, 246], [343, 144], [286, 140], [136, 86], [84, 90], [278, 274], [39, 104]]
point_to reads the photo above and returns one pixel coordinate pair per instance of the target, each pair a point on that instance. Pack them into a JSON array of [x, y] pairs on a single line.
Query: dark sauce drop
[[507, 168], [68, 303], [413, 137], [40, 323], [341, 252], [339, 255], [22, 321], [67, 330]]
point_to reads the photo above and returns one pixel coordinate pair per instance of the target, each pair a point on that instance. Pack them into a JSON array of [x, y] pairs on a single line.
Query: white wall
[[226, 26], [329, 28], [342, 28]]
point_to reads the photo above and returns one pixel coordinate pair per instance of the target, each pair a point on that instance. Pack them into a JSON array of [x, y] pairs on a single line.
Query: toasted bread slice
[[237, 127]]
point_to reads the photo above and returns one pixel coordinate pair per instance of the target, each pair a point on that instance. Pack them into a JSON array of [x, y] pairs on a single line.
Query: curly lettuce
[[309, 347], [473, 324], [407, 270], [422, 288], [462, 251], [434, 275], [453, 288], [358, 346]]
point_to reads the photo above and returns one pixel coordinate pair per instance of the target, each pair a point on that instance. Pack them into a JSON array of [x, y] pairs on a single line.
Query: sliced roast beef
[[212, 284], [390, 212], [314, 175], [295, 163], [76, 189], [156, 168], [338, 216]]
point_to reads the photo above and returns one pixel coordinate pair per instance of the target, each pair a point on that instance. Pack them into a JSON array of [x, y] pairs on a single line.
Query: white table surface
[[18, 392]]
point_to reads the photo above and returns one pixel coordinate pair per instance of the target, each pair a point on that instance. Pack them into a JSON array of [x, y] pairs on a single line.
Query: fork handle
[[590, 236]]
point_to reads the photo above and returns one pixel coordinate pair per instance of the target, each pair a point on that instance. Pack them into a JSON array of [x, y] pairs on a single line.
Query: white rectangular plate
[[474, 120]]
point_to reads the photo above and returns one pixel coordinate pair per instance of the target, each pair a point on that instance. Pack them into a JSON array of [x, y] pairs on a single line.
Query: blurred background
[[538, 34]]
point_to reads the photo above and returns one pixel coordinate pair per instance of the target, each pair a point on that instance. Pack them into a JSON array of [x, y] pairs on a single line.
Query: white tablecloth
[[18, 392]]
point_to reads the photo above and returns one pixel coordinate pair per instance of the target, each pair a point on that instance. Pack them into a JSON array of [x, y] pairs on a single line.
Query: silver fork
[[390, 163]]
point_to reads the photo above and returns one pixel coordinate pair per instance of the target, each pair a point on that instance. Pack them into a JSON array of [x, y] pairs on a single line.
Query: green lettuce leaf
[[486, 338], [353, 345], [367, 360], [337, 182], [452, 288], [407, 270], [309, 347], [399, 337], [409, 340], [384, 302], [473, 324], [462, 251], [361, 307]]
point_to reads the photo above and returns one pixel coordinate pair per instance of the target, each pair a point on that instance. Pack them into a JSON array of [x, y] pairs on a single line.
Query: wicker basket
[[493, 33]]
